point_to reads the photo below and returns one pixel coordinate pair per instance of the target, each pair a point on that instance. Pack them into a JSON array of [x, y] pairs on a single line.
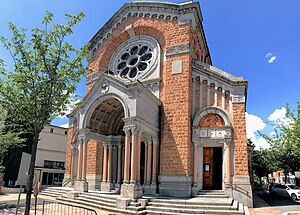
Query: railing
[[66, 182], [53, 207], [246, 192]]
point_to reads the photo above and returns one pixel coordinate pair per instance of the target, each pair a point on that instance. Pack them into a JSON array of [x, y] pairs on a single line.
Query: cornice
[[184, 13], [218, 74]]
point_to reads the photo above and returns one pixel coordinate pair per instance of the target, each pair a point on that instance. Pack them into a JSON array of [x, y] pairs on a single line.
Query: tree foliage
[[9, 138], [285, 144], [46, 71]]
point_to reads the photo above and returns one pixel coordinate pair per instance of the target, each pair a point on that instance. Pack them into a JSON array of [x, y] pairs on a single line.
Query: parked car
[[287, 190]]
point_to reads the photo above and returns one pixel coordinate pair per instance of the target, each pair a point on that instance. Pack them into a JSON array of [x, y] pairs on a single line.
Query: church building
[[157, 117]]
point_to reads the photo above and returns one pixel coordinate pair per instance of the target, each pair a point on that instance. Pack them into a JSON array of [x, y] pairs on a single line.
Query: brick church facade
[[157, 117]]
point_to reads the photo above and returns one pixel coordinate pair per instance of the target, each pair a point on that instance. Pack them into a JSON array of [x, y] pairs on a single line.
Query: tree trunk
[[31, 173]]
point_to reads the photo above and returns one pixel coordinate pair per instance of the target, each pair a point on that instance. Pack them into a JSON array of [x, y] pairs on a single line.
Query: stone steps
[[211, 194], [205, 202], [234, 206], [55, 191], [98, 205], [193, 201]]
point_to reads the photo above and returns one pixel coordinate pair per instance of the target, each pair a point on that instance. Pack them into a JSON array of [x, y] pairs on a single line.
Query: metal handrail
[[55, 207], [242, 189]]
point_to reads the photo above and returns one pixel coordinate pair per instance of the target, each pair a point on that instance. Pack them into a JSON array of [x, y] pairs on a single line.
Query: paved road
[[280, 203]]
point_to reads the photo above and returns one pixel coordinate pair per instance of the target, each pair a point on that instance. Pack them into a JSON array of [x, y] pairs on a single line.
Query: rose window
[[136, 58], [134, 61]]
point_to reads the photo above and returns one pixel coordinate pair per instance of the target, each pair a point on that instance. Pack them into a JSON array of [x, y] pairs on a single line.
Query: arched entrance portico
[[119, 139], [106, 124]]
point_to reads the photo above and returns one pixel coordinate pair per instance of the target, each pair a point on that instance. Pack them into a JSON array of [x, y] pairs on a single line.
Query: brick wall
[[94, 154], [69, 151], [240, 140]]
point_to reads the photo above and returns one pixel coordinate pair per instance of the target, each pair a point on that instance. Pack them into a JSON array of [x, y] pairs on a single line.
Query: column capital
[[126, 130], [119, 145], [136, 130], [155, 140]]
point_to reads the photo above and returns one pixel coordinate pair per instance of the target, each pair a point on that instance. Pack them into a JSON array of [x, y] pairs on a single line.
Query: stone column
[[109, 164], [146, 169], [216, 96], [134, 157], [81, 185], [223, 98], [72, 163], [80, 155], [154, 162], [138, 176], [104, 168], [149, 162], [228, 163], [208, 94], [133, 190], [85, 143], [119, 164], [195, 179], [127, 156]]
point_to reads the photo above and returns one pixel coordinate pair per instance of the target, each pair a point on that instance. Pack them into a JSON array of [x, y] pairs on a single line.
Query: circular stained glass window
[[136, 58], [134, 61]]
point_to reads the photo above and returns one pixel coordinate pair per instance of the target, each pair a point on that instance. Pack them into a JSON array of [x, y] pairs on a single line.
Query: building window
[[135, 58], [54, 164], [51, 130], [66, 132], [49, 178], [134, 61]]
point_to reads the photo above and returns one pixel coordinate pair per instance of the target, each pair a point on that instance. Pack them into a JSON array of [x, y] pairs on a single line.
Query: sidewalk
[[260, 207]]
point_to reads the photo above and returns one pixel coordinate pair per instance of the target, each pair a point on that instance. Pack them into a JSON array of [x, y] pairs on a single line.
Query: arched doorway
[[212, 154], [106, 124]]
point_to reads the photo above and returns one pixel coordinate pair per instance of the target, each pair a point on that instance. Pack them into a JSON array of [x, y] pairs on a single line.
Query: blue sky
[[257, 39]]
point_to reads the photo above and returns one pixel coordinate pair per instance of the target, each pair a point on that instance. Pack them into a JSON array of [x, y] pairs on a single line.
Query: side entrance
[[212, 168]]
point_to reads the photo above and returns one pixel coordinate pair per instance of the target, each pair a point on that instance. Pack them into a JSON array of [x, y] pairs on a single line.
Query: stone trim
[[211, 110], [184, 13], [218, 74], [178, 49], [238, 99]]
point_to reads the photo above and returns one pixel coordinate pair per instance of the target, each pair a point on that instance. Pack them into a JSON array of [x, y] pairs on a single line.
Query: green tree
[[46, 71], [8, 138], [263, 163], [285, 143]]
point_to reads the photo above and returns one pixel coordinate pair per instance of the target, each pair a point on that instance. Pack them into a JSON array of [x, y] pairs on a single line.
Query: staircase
[[205, 202], [56, 191]]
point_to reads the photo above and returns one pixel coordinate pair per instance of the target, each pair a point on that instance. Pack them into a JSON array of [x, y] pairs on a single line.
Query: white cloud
[[70, 107], [270, 57], [277, 114], [66, 125], [254, 124]]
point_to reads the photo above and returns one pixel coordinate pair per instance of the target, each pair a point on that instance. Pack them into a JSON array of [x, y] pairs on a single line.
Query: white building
[[51, 155]]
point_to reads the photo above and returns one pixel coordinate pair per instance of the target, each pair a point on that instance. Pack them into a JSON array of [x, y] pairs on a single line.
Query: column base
[[132, 191], [195, 189], [94, 181], [81, 186], [175, 185], [150, 189], [106, 186]]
